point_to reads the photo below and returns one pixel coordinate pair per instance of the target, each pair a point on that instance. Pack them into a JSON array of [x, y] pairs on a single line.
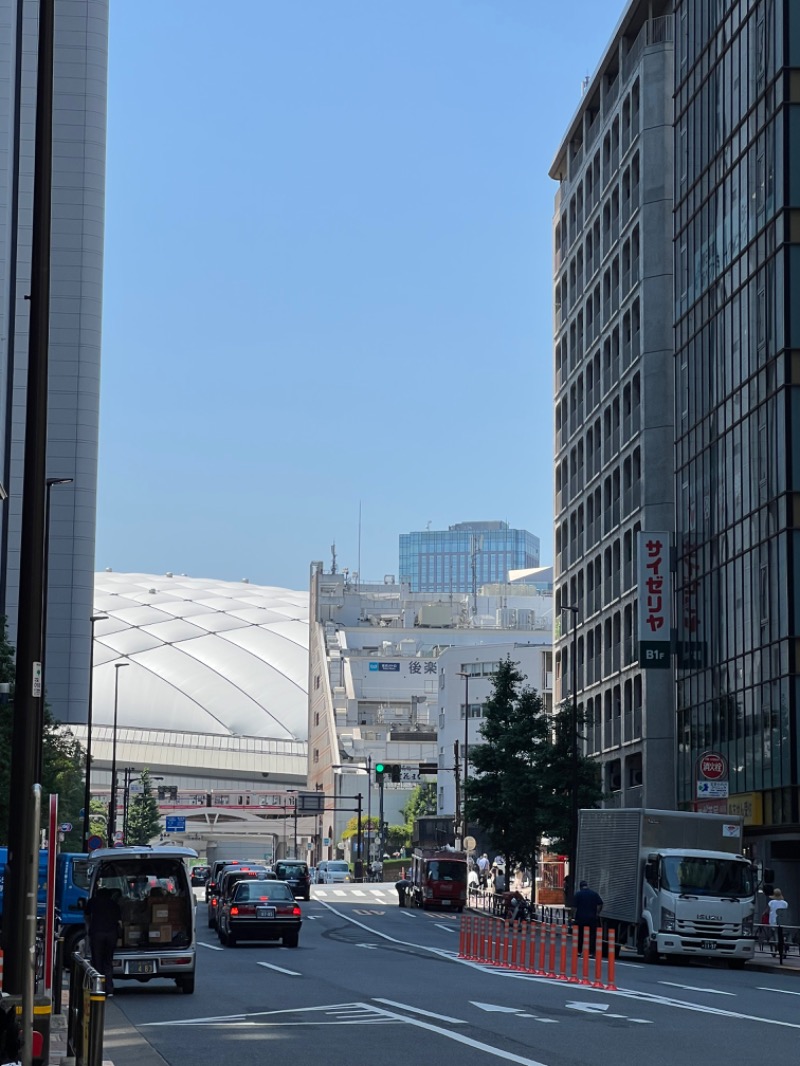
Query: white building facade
[[614, 412], [465, 674], [374, 677]]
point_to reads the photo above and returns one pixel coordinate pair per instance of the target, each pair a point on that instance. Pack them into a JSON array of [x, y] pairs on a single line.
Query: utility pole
[[369, 797], [359, 863], [457, 820], [20, 886]]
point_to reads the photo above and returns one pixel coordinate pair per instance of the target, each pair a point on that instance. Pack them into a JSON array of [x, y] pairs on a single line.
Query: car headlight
[[667, 920]]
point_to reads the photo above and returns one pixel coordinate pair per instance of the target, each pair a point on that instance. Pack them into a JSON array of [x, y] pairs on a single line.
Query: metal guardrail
[[86, 1017], [780, 941]]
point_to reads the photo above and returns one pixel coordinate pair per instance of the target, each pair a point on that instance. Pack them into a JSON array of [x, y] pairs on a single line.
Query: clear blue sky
[[328, 275]]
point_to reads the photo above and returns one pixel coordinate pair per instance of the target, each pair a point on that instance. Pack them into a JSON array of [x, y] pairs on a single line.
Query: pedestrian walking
[[588, 905], [103, 918], [776, 905], [483, 869]]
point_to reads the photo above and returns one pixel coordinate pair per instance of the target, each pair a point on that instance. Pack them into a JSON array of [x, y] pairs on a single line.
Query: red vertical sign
[[50, 906]]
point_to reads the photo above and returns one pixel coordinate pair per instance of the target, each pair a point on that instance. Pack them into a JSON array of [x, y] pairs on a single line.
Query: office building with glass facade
[[76, 290], [613, 401], [737, 364], [465, 556]]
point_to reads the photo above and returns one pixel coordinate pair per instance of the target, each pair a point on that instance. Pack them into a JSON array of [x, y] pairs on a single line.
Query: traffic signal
[[380, 770], [395, 771]]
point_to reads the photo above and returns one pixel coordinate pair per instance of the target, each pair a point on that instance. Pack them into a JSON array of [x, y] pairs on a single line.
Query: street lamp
[[45, 583], [87, 789], [112, 810], [573, 827], [466, 676]]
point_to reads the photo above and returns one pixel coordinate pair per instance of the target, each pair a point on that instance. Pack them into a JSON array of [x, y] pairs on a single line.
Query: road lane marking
[[447, 928], [783, 991], [211, 947], [495, 1007], [696, 988], [280, 969], [459, 1039], [419, 1010]]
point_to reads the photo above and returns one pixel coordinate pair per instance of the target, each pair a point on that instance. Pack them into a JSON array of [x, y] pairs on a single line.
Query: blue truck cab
[[72, 882]]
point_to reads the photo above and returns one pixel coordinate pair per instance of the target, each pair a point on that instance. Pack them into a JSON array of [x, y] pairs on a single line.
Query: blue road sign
[[94, 842], [175, 824]]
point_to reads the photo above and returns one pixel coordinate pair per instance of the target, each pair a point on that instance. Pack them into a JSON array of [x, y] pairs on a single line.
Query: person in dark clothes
[[102, 919], [402, 887], [10, 1033], [588, 905]]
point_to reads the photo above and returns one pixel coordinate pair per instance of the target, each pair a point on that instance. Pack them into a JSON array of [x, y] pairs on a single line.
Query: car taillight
[[234, 910], [214, 901], [242, 909], [296, 912]]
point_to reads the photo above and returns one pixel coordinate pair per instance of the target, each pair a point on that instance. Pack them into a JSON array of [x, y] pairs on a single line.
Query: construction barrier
[[538, 948]]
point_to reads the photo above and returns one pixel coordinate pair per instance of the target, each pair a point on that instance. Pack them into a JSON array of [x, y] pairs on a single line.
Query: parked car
[[157, 930], [296, 876], [260, 910], [200, 875]]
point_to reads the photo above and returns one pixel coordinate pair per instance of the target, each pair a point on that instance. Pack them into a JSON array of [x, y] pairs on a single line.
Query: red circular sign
[[712, 766]]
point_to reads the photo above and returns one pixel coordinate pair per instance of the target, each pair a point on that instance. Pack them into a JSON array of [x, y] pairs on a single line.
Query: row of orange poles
[[542, 949]]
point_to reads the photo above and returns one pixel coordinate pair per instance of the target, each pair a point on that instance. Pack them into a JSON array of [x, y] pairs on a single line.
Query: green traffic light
[[379, 767]]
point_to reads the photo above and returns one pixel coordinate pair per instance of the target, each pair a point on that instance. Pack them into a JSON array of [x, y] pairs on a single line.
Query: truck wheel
[[646, 948], [736, 964]]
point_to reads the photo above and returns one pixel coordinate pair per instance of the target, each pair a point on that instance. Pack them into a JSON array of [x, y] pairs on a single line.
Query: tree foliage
[[421, 802], [522, 786], [144, 819], [63, 759]]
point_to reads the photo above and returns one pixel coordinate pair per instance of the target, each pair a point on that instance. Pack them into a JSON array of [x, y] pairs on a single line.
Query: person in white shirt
[[777, 904]]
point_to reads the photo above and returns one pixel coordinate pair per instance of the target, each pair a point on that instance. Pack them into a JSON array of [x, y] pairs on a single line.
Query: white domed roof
[[202, 656]]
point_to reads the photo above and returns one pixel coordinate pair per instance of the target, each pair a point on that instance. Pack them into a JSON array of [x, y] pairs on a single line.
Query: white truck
[[672, 882]]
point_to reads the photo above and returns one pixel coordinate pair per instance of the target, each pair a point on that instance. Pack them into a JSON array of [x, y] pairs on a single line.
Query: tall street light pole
[[466, 677], [112, 807], [48, 485], [573, 822], [294, 792], [87, 788]]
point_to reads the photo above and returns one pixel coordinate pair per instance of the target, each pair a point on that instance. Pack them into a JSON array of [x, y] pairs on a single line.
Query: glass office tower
[[465, 556], [737, 397]]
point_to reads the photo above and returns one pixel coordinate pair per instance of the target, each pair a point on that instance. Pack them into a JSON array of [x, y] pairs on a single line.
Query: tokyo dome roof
[[201, 656]]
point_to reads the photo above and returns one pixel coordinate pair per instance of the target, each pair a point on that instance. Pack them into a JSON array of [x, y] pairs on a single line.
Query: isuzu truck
[[672, 882]]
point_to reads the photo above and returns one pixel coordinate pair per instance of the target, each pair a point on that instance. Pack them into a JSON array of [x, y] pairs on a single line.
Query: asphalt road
[[373, 984]]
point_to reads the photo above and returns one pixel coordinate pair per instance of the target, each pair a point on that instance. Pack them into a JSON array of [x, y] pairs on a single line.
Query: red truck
[[438, 879]]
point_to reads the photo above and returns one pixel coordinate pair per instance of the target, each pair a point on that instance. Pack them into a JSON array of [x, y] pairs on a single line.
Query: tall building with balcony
[[465, 556], [737, 336], [614, 399], [78, 202]]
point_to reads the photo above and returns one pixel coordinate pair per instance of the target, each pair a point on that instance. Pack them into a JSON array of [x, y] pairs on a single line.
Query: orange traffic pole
[[542, 943], [562, 954], [552, 959], [515, 933], [598, 961], [573, 968], [585, 976], [461, 938], [612, 959]]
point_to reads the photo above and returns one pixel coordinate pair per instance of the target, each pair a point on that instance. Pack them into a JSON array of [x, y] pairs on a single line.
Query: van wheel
[[290, 941], [223, 936], [74, 941], [185, 984]]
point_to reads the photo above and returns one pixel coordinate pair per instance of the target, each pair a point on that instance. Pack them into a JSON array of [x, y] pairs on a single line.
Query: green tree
[[504, 796], [144, 819], [63, 758], [351, 829], [421, 802], [556, 770]]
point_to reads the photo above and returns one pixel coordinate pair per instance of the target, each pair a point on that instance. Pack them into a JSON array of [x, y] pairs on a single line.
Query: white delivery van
[[154, 893], [333, 872]]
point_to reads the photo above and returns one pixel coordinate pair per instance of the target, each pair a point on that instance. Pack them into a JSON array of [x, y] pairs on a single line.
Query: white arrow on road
[[601, 1008], [369, 947], [495, 1007]]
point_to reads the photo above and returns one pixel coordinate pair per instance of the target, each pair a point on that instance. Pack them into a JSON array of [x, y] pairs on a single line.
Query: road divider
[[542, 949]]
